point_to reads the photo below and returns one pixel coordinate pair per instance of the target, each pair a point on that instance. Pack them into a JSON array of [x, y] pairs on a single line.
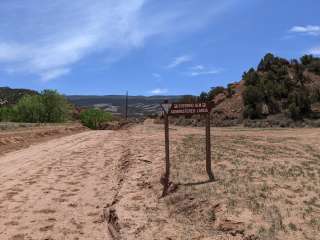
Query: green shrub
[[306, 59], [294, 111], [29, 109], [299, 103], [230, 89], [215, 91], [56, 107], [94, 118], [49, 106], [251, 78], [7, 114], [203, 97], [277, 80]]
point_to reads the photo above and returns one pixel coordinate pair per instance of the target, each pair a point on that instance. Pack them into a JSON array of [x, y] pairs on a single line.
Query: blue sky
[[146, 46]]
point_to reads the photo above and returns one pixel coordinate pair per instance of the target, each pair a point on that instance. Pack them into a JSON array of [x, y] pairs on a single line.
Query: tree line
[[278, 85], [275, 86], [49, 106]]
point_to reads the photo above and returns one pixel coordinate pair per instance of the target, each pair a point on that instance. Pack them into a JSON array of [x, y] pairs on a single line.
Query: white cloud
[[314, 51], [55, 73], [198, 68], [180, 60], [205, 73], [156, 75], [309, 29], [202, 70], [158, 91], [47, 37]]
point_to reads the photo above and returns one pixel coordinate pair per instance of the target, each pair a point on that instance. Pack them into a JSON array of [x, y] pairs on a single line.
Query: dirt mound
[[22, 136]]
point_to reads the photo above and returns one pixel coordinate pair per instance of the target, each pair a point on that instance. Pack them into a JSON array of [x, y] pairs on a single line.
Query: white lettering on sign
[[189, 105], [189, 108]]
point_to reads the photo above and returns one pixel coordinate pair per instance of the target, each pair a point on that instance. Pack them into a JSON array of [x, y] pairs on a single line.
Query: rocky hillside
[[9, 96], [277, 92]]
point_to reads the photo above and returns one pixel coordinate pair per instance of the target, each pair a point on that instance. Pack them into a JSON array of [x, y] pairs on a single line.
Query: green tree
[[49, 106], [56, 106], [230, 90], [203, 97], [306, 59], [251, 78], [215, 91], [94, 118], [253, 98], [30, 108], [7, 114], [299, 103]]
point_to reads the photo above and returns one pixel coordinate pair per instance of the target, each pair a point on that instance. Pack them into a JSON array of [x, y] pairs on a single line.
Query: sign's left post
[[165, 179]]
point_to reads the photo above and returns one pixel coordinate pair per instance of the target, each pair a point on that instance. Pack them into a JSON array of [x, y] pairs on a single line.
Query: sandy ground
[[15, 136], [57, 190], [267, 186]]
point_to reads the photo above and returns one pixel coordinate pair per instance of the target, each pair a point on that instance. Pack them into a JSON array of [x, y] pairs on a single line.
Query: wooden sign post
[[186, 109]]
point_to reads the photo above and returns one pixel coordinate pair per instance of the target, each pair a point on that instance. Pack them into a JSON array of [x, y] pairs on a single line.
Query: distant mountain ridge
[[10, 96], [138, 105], [118, 100]]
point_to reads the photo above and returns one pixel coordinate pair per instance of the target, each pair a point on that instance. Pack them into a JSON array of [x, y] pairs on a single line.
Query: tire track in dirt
[[137, 211]]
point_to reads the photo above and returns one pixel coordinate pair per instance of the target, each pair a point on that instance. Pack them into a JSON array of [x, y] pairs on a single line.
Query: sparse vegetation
[[261, 180], [95, 118]]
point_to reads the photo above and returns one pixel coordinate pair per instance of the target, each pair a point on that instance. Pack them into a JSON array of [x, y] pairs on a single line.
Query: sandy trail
[[60, 189], [57, 189]]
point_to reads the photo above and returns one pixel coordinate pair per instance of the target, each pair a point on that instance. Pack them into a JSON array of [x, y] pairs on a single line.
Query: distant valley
[[138, 106]]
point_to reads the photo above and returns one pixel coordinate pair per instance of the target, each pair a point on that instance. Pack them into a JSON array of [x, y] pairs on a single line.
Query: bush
[[215, 91], [275, 80], [56, 107], [7, 114], [49, 107], [251, 78], [203, 97], [94, 118], [299, 103], [294, 111], [29, 109], [306, 59], [230, 90]]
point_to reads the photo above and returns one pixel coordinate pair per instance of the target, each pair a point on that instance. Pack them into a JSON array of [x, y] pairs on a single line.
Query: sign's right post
[[208, 148]]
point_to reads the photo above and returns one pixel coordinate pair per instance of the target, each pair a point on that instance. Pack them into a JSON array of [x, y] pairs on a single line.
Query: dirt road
[[267, 188], [57, 190]]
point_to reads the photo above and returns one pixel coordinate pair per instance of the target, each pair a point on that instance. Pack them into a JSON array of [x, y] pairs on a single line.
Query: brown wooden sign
[[172, 109], [189, 109]]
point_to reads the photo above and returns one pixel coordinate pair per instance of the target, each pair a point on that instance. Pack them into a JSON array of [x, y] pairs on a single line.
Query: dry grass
[[268, 185]]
